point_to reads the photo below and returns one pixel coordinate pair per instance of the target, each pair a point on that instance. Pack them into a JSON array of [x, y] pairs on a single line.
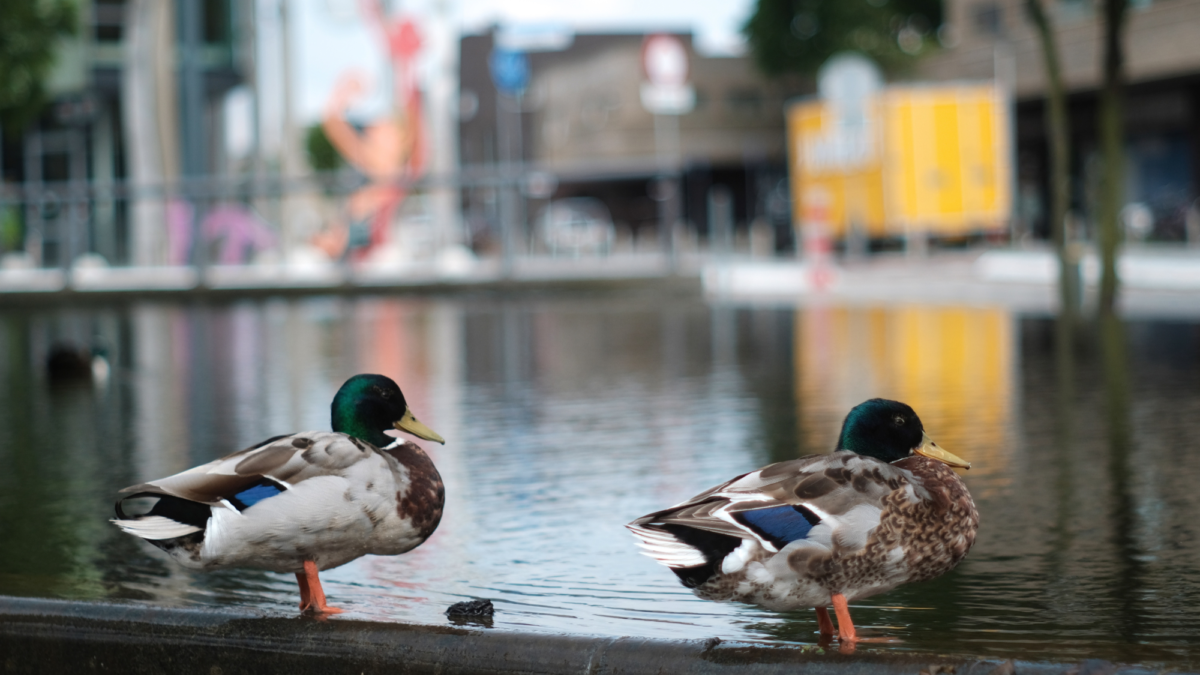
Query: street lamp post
[[666, 95], [510, 74]]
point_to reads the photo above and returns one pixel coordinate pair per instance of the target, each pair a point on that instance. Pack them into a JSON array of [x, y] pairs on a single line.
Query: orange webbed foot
[[312, 596], [847, 635], [320, 611]]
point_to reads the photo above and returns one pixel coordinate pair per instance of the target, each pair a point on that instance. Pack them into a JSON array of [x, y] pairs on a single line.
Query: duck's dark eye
[[898, 420], [383, 393]]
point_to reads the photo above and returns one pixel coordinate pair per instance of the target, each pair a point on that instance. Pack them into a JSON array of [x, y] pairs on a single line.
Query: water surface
[[568, 416]]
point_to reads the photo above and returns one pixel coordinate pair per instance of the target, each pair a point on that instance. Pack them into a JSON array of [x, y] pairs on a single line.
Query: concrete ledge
[[674, 284], [54, 636]]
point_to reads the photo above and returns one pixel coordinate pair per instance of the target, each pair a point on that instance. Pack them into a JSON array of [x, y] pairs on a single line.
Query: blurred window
[[218, 22], [1073, 10], [745, 102], [596, 108], [108, 19], [989, 19]]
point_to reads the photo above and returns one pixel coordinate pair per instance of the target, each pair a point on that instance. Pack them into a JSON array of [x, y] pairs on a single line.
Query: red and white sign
[[665, 60], [665, 65]]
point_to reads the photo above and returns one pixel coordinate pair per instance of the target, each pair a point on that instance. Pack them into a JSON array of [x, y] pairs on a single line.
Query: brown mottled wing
[[830, 485], [287, 459]]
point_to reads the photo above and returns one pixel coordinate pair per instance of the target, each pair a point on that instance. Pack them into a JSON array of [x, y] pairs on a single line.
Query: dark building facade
[[82, 136], [581, 125], [1162, 101]]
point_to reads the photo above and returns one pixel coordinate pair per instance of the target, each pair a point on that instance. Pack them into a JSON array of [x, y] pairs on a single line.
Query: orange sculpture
[[390, 152]]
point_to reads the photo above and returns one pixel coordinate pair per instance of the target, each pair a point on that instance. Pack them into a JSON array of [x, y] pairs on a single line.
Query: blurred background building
[[582, 121], [137, 93], [995, 39], [164, 112]]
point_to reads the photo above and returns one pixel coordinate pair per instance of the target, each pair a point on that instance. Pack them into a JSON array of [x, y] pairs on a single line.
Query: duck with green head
[[305, 502], [884, 509]]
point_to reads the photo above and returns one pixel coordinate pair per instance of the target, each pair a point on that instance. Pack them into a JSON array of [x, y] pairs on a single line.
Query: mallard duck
[[66, 362], [307, 502], [884, 509]]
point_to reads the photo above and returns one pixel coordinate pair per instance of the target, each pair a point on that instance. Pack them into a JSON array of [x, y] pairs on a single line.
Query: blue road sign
[[510, 71]]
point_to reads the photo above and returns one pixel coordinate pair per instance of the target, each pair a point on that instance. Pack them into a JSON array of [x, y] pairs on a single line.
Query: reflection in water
[[1060, 533], [568, 416], [1127, 579], [953, 365]]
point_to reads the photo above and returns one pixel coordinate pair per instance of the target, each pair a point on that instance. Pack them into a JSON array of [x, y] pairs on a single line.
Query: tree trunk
[[1058, 135], [1111, 120]]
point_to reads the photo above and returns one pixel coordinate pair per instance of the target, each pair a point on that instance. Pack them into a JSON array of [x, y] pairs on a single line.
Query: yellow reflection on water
[[953, 365]]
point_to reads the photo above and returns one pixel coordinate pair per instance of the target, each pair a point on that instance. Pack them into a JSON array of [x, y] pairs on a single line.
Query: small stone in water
[[471, 608]]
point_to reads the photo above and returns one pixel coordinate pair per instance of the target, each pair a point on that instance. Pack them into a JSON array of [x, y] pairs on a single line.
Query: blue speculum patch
[[251, 496], [781, 524]]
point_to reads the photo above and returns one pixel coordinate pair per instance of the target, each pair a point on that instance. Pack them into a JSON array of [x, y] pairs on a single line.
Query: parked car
[[576, 226]]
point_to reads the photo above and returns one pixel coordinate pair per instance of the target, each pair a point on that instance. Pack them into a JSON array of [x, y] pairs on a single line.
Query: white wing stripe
[[666, 549], [155, 527]]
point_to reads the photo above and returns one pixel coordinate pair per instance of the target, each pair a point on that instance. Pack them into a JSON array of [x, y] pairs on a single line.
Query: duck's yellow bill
[[930, 449], [413, 426]]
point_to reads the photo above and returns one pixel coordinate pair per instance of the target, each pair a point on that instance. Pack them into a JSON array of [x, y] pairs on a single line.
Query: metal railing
[[270, 220]]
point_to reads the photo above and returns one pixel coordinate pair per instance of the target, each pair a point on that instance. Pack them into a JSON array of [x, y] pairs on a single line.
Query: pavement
[[1156, 282]]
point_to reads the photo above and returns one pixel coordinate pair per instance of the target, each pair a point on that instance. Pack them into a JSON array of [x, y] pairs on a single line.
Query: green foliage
[[10, 229], [29, 32], [322, 156], [797, 36]]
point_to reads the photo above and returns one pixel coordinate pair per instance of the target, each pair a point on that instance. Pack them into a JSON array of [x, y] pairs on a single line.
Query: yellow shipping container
[[928, 158]]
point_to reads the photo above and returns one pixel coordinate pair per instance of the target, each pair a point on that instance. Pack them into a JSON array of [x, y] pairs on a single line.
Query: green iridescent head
[[369, 406], [890, 431]]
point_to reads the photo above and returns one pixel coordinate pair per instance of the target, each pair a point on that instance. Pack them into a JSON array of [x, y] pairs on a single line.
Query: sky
[[331, 37], [716, 23]]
